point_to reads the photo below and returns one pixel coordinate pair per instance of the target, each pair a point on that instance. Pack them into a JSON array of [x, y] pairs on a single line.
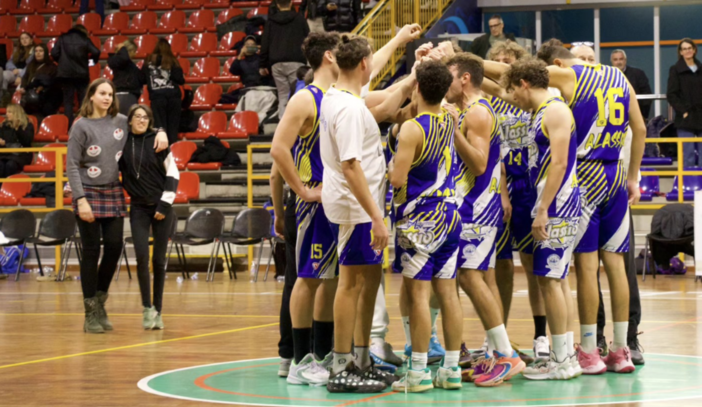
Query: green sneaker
[[448, 378], [149, 316], [158, 321], [414, 381]]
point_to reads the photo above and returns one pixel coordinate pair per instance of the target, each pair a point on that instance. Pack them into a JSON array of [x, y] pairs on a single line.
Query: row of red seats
[[71, 6], [204, 70]]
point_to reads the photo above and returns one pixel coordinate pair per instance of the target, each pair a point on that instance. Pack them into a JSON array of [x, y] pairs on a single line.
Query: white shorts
[[477, 247]]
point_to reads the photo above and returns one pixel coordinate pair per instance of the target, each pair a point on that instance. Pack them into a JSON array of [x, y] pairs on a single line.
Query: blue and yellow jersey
[[517, 144], [567, 201], [600, 106], [306, 150], [428, 180], [478, 197]]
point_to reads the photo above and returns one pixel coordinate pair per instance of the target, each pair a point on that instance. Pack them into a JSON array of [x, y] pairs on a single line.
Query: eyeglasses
[[495, 25], [581, 43], [687, 49], [140, 117]]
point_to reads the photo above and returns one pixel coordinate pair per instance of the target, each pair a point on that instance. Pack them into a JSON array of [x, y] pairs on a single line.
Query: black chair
[[203, 227], [251, 226], [18, 226], [59, 227]]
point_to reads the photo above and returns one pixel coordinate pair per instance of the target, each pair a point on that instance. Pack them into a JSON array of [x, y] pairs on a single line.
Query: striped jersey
[[306, 149], [517, 145], [567, 201]]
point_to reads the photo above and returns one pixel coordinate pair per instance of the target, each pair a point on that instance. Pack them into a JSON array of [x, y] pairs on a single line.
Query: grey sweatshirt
[[94, 149]]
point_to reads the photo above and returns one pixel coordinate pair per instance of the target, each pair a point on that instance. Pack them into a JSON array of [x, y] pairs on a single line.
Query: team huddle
[[484, 158]]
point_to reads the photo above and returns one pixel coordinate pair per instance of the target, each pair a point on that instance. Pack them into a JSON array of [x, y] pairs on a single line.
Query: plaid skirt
[[106, 201]]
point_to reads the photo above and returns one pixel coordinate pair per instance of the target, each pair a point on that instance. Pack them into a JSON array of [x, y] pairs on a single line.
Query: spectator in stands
[[482, 44], [584, 52], [314, 18], [40, 95], [247, 65], [72, 51], [685, 95], [151, 179], [11, 76], [281, 50], [99, 8], [163, 76], [504, 51], [340, 15], [128, 78], [15, 132], [637, 78]]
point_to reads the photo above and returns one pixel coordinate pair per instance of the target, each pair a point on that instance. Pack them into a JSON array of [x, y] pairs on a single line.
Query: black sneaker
[[373, 373], [602, 345], [352, 380], [636, 349]]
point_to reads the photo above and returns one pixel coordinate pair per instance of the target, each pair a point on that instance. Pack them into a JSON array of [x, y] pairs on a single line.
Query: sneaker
[[493, 373], [482, 352], [550, 369], [373, 373], [542, 349], [591, 363], [514, 362], [408, 351], [436, 351], [575, 365], [602, 345], [307, 372], [636, 350], [284, 367], [380, 364], [147, 320], [448, 378], [619, 361], [326, 362], [158, 321], [384, 351], [351, 380], [523, 356], [475, 368], [465, 359], [414, 381]]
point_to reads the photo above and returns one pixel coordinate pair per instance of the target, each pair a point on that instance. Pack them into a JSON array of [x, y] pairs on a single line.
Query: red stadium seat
[[201, 45], [258, 11], [141, 23], [188, 187], [227, 43], [241, 126], [115, 23], [245, 4], [42, 201], [12, 192], [217, 4], [171, 22], [32, 118], [191, 4], [226, 76], [165, 5], [57, 25], [7, 5], [91, 21], [55, 6], [2, 119], [199, 21], [45, 161], [206, 96], [179, 43], [209, 124], [144, 98], [184, 65], [31, 24], [203, 71], [138, 5], [8, 24], [228, 14], [145, 45], [213, 166], [107, 73], [109, 46], [229, 106], [94, 72], [50, 44], [182, 151], [52, 127], [96, 42], [28, 7]]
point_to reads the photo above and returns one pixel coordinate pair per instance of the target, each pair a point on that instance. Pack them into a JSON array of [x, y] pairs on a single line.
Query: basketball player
[[478, 178], [557, 208], [428, 228]]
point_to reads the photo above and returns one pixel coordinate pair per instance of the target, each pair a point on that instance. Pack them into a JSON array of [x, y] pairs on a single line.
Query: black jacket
[[344, 18], [127, 76], [163, 84], [282, 38], [481, 45], [639, 81], [247, 69], [72, 51], [17, 139], [685, 95], [50, 97]]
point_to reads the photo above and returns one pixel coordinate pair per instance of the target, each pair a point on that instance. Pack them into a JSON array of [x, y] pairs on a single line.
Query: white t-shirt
[[349, 131]]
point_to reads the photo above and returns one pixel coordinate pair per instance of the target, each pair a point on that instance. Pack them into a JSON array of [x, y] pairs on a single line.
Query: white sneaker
[[549, 369], [414, 381], [384, 351], [542, 349], [482, 352], [326, 362], [307, 372], [284, 367], [448, 378], [575, 365]]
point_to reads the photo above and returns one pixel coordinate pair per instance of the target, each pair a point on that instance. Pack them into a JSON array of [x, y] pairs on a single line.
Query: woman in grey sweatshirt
[[94, 149]]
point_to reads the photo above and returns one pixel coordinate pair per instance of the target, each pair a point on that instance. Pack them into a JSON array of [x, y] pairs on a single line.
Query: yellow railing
[[387, 16]]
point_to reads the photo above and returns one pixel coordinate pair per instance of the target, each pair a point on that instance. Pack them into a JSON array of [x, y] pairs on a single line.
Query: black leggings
[[167, 115], [71, 88], [92, 278], [285, 346], [141, 219], [9, 167]]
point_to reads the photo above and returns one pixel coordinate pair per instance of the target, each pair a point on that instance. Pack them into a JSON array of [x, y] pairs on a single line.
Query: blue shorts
[[552, 256], [316, 247], [604, 223], [427, 249], [515, 235], [477, 247], [353, 244]]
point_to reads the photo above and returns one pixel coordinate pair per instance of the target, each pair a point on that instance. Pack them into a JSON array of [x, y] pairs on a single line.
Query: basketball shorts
[[552, 256], [515, 235], [477, 247], [353, 244], [604, 223], [426, 249], [316, 247]]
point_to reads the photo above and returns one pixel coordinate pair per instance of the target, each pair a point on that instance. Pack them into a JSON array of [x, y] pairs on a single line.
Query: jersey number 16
[[616, 109]]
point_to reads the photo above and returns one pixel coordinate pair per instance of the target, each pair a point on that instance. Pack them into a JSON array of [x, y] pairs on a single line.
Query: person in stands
[[685, 95], [11, 76], [128, 78], [15, 132], [40, 95]]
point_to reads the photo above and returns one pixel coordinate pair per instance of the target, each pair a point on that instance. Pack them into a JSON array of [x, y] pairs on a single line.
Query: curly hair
[[549, 53], [507, 48], [317, 44], [351, 51], [466, 62], [434, 80], [533, 71]]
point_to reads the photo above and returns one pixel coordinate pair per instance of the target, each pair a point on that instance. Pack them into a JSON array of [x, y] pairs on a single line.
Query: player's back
[[516, 140]]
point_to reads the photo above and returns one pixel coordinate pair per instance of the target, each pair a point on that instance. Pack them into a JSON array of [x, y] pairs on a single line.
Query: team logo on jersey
[[553, 261], [405, 259], [377, 252], [119, 133], [515, 131], [469, 250], [315, 265], [412, 233], [94, 172], [118, 156], [94, 151], [561, 233], [475, 232]]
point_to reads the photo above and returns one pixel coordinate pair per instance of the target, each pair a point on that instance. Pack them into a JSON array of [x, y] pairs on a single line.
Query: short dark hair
[[283, 3], [496, 17], [434, 80], [533, 71], [469, 63], [318, 43], [351, 51], [549, 53], [553, 42], [686, 41]]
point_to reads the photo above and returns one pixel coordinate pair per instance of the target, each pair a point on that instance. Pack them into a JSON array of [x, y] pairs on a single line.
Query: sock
[[363, 360], [500, 340], [419, 360], [570, 342], [406, 326], [620, 332], [539, 326], [340, 362], [588, 337], [560, 347], [323, 338], [451, 358], [434, 314], [301, 342]]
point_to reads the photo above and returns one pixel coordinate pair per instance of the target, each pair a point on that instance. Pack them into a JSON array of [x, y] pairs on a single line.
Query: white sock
[[560, 346], [588, 337], [434, 315], [620, 331], [340, 362], [500, 340], [419, 360], [406, 326], [570, 342], [451, 358], [362, 356]]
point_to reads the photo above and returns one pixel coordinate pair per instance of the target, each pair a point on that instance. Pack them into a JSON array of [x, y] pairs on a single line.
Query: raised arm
[[390, 106], [492, 88], [408, 33], [562, 79]]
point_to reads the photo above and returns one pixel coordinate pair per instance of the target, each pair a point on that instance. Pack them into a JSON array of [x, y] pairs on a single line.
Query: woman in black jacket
[[128, 78], [16, 132], [685, 95], [340, 15], [163, 75], [40, 95]]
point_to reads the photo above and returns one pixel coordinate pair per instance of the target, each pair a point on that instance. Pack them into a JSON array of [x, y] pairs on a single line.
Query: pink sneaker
[[619, 361], [494, 373], [591, 363]]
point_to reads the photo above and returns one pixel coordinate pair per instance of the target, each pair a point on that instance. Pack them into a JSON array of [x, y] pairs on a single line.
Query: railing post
[[680, 171], [59, 204]]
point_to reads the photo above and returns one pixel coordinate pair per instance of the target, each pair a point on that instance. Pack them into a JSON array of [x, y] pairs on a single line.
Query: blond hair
[[19, 117], [507, 48]]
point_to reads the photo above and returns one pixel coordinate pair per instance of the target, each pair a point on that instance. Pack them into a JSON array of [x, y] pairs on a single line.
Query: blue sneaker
[[408, 351], [383, 365], [436, 351]]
